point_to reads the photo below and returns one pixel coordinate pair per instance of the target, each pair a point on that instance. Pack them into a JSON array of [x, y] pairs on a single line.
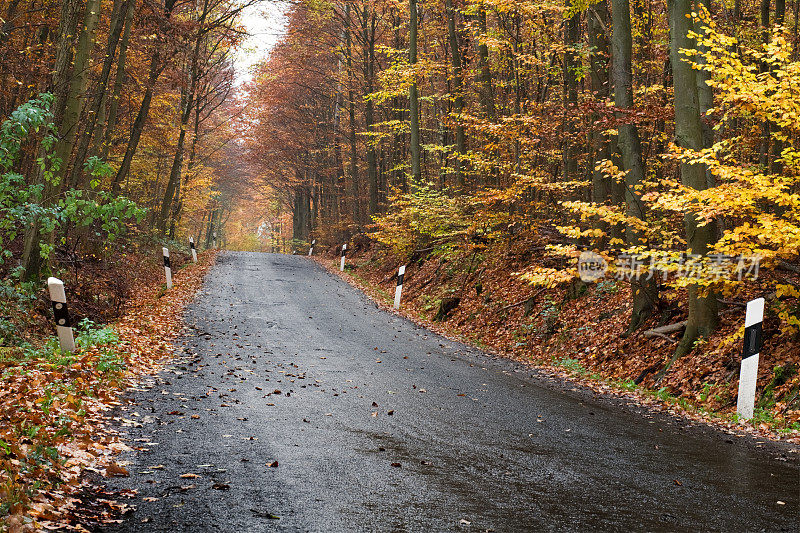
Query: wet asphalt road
[[481, 443]]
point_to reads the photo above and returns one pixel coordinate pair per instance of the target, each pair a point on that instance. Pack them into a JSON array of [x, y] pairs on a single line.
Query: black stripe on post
[[166, 261], [752, 340], [61, 314], [400, 279], [191, 243], [344, 251]]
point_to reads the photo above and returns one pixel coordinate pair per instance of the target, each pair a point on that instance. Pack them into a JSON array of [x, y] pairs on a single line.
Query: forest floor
[[578, 331], [55, 407]]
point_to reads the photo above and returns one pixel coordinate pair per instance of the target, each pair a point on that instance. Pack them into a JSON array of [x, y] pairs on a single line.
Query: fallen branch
[[663, 330]]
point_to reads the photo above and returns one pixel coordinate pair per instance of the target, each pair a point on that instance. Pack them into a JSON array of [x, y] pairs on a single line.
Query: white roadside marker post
[[399, 290], [194, 251], [311, 250], [61, 314], [167, 268], [344, 251], [748, 371]]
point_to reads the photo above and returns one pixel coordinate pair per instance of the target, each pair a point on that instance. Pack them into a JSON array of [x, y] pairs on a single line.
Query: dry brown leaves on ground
[[54, 407]]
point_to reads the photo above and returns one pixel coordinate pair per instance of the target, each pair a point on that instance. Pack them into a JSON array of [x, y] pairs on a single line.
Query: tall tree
[[644, 291], [69, 84], [572, 28], [413, 95], [119, 79], [703, 313], [117, 24], [458, 90]]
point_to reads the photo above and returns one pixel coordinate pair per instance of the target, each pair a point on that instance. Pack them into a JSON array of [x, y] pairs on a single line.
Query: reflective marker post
[[194, 252], [344, 251], [398, 291], [167, 268], [311, 250], [748, 371], [63, 327]]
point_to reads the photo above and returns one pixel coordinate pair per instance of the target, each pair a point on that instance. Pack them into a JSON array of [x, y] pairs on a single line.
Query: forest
[[661, 137], [594, 186]]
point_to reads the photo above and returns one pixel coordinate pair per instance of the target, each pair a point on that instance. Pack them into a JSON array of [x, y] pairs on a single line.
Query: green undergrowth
[[103, 340], [53, 388]]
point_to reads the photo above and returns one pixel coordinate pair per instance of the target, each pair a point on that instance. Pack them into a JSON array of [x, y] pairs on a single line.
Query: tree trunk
[[119, 79], [705, 95], [597, 22], [65, 89], [644, 291], [80, 76], [356, 189], [572, 28], [338, 175], [703, 317], [458, 100], [485, 74], [157, 65], [413, 96], [177, 164], [188, 102], [369, 76], [141, 118], [775, 166], [117, 24]]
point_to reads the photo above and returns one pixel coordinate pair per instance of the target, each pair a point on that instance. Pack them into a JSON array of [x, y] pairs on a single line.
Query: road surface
[[377, 424]]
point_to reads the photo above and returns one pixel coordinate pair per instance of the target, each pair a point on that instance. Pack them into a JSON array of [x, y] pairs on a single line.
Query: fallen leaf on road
[[264, 514], [220, 486], [396, 465], [115, 470], [273, 464], [177, 413], [189, 475], [677, 482], [150, 499], [464, 522], [195, 416]]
